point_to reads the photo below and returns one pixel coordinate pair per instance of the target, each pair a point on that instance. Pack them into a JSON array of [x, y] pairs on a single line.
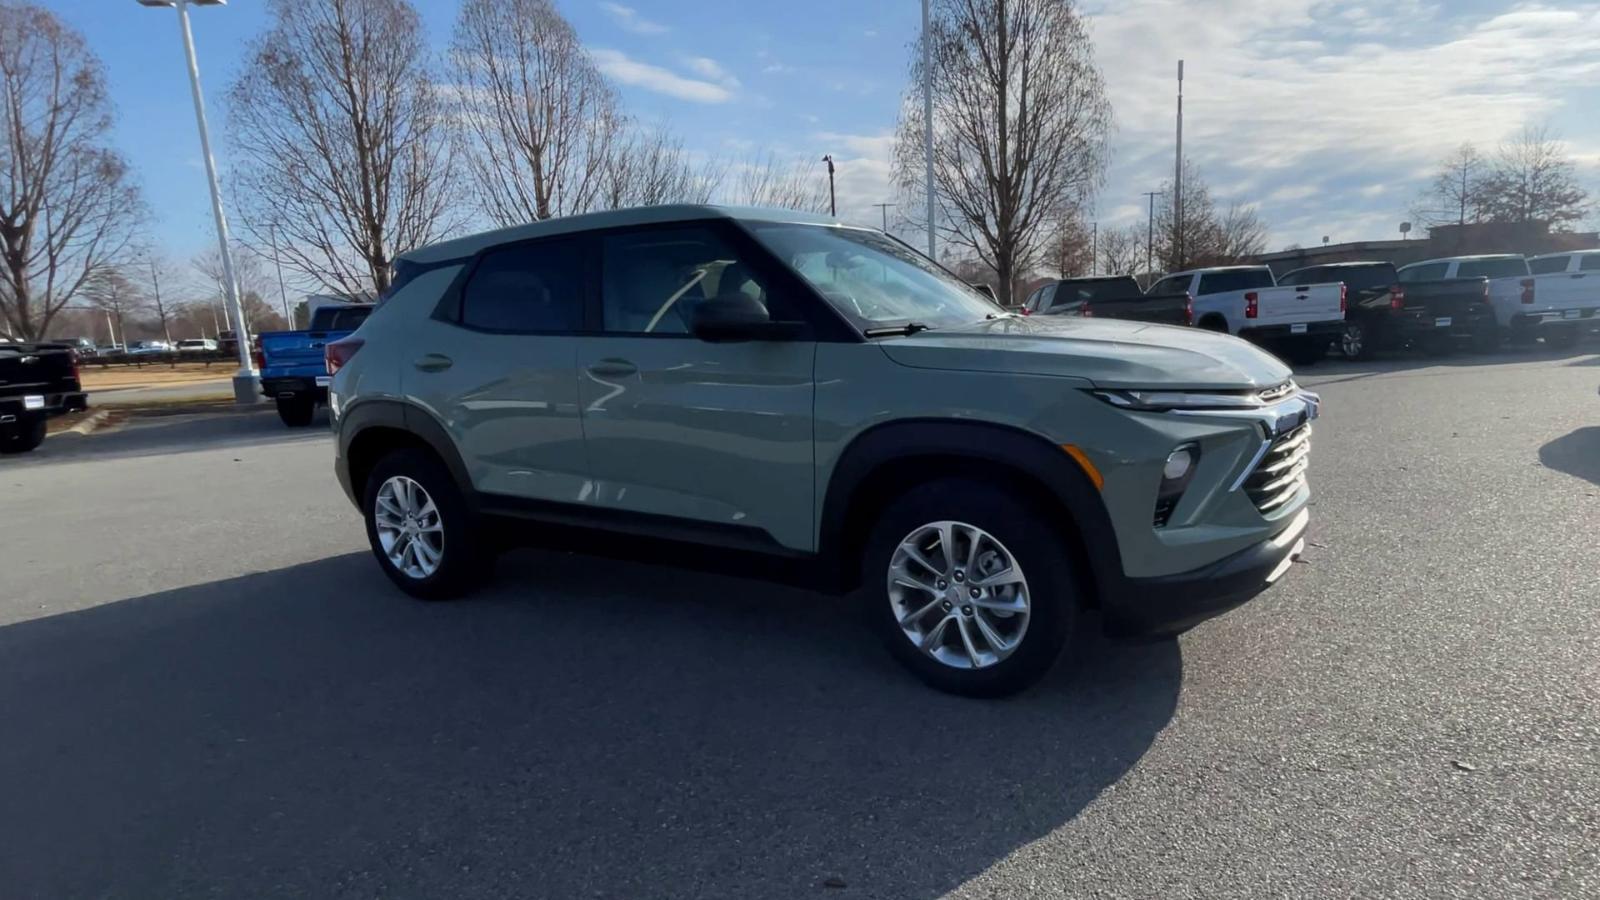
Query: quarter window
[[527, 288]]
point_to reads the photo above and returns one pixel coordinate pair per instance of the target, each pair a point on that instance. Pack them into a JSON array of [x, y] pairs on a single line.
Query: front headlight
[[1163, 400]]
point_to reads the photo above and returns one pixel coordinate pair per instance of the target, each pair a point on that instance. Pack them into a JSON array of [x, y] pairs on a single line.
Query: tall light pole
[[883, 209], [833, 205], [1094, 248], [283, 295], [927, 118], [1177, 181], [1150, 239], [246, 383]]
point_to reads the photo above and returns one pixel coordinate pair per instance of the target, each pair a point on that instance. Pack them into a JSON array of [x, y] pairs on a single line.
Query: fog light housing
[[1176, 474]]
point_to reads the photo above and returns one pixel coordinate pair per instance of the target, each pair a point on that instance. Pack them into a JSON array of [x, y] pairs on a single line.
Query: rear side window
[[1492, 268], [527, 288], [1172, 284], [1589, 263], [1235, 280], [1547, 265], [339, 318], [1428, 272]]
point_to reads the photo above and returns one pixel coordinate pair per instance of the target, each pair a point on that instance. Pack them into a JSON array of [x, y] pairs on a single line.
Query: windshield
[[873, 279]]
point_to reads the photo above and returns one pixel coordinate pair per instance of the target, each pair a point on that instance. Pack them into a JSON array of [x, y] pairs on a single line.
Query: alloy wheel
[[958, 594], [409, 527], [1353, 341]]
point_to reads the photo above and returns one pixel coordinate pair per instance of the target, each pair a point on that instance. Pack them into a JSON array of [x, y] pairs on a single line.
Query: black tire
[[1304, 352], [22, 437], [1027, 535], [1561, 337], [465, 557], [1355, 343], [297, 412], [1488, 339]]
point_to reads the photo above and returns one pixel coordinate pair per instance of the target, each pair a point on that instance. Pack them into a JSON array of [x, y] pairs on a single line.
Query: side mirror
[[738, 316]]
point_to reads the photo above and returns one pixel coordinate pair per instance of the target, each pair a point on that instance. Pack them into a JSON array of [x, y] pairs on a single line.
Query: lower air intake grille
[[1282, 470]]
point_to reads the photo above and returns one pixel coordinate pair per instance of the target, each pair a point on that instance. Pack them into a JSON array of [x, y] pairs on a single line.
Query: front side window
[[1547, 265], [527, 288], [652, 280], [874, 280]]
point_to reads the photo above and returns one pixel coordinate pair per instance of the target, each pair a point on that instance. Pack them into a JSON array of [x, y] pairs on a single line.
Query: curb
[[93, 421]]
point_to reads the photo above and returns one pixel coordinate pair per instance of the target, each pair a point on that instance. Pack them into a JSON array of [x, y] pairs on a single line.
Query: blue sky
[[1327, 115]]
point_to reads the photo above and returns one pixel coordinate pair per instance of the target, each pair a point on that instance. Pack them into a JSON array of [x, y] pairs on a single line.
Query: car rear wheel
[[970, 588], [1354, 343], [1308, 351], [21, 437], [1561, 337], [296, 412], [420, 529]]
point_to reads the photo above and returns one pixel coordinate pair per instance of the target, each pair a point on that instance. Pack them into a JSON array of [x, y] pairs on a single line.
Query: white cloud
[[1332, 113], [707, 67], [776, 68], [630, 20], [625, 69]]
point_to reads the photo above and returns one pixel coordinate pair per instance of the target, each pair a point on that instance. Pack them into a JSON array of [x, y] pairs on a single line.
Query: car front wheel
[[420, 529], [1354, 343], [970, 588]]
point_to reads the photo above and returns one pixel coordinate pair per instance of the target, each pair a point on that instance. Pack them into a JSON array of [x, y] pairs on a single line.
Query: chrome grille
[[1282, 470]]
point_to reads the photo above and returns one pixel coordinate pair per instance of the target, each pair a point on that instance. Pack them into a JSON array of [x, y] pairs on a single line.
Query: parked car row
[[1360, 307]]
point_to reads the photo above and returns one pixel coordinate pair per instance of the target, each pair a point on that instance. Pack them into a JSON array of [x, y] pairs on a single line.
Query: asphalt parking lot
[[208, 689]]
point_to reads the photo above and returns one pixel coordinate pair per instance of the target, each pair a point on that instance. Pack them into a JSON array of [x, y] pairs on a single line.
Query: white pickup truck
[[1555, 296], [1298, 321]]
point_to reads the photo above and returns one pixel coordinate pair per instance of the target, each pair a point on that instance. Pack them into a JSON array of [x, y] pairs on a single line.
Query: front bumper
[[1171, 604]]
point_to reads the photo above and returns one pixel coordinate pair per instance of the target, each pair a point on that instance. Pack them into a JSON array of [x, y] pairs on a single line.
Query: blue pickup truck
[[291, 362]]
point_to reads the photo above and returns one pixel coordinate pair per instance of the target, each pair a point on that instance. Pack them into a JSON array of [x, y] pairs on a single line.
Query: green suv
[[734, 385]]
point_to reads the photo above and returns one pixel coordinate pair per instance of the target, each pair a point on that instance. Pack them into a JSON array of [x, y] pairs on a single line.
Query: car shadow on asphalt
[[580, 729], [160, 432], [1576, 454]]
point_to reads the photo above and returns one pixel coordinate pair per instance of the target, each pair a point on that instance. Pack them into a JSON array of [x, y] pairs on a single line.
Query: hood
[[1110, 353]]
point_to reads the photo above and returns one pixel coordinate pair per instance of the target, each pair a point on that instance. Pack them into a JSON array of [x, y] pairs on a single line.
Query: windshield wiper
[[891, 330]]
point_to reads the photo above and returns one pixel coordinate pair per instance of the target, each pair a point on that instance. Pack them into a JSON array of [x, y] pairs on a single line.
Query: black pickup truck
[[37, 381], [1386, 312], [1109, 297]]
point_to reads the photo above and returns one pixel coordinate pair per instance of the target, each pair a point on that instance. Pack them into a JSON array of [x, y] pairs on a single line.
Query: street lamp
[[833, 206], [246, 384]]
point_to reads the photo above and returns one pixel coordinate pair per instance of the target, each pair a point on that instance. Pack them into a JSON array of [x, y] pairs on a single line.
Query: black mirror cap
[[738, 317]]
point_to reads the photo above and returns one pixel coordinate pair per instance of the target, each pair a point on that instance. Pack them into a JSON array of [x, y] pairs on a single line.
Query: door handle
[[433, 362], [612, 368]]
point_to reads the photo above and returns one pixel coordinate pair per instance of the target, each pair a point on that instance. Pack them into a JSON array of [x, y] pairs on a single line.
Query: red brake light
[[1486, 292], [1252, 305], [1188, 308], [1087, 311], [1527, 290], [337, 353], [1397, 297], [1344, 302], [73, 356], [259, 358]]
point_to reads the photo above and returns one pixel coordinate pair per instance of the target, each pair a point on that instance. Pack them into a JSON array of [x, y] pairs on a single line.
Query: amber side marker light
[[1086, 464]]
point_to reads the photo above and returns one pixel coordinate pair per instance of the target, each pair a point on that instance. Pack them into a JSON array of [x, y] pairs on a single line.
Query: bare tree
[[766, 180], [111, 290], [342, 140], [1456, 194], [1020, 119], [539, 118], [650, 167], [253, 280], [1533, 180], [1209, 238], [67, 204], [1122, 250], [156, 274]]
